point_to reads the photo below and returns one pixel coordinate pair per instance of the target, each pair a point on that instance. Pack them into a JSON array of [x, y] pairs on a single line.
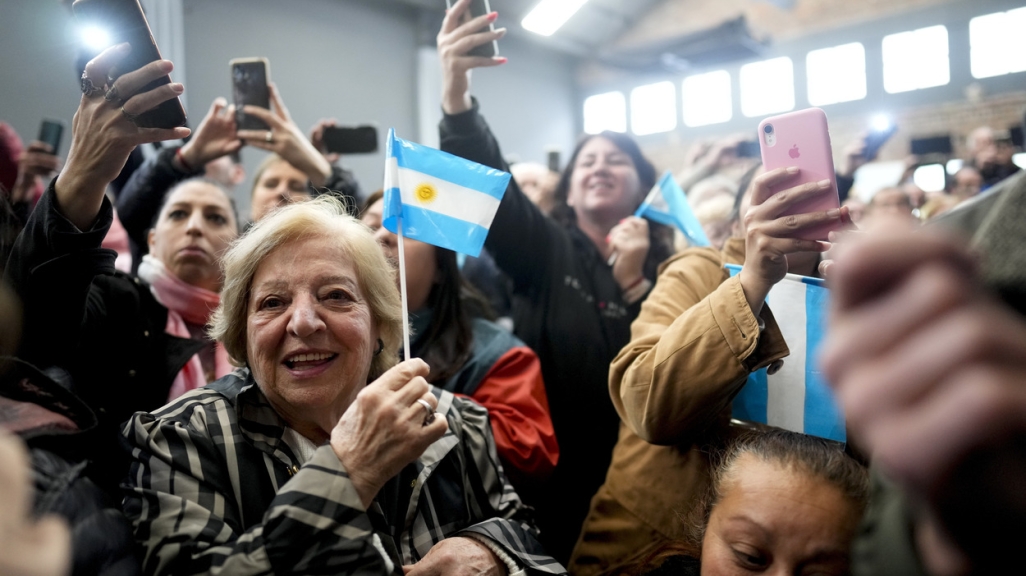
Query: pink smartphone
[[802, 139]]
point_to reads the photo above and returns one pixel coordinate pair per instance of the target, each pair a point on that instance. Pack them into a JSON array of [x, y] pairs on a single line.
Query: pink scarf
[[184, 303]]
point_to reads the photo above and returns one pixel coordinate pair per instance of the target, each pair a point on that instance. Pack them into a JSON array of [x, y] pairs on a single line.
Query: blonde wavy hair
[[327, 217]]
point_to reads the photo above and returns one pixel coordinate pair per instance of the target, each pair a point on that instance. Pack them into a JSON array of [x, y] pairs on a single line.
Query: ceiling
[[595, 26]]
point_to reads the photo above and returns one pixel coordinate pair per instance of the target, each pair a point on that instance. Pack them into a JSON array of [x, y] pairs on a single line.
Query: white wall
[[38, 48], [356, 60], [345, 59]]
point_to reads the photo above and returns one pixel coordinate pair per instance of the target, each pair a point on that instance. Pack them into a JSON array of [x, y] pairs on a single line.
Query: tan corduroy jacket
[[691, 350]]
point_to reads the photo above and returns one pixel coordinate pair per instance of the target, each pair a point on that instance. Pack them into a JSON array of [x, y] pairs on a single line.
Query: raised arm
[[691, 350], [59, 249], [144, 192], [697, 337], [520, 236], [103, 134]]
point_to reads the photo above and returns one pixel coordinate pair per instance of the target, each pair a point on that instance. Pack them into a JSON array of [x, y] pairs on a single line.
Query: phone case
[[802, 139], [250, 77]]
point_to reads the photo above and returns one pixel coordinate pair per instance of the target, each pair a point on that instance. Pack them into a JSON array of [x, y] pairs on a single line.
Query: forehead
[[304, 261], [199, 194], [786, 500], [600, 145], [375, 210], [282, 169]]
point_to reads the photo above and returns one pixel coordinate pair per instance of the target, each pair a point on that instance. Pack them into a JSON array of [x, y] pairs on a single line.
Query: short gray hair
[[324, 216]]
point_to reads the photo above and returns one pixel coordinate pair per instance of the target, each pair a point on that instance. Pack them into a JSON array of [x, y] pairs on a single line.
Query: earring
[[381, 347]]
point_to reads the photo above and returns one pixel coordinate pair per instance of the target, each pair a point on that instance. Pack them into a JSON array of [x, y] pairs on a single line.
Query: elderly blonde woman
[[321, 454]]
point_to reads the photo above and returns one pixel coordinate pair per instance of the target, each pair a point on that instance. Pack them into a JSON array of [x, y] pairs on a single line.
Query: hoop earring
[[381, 347]]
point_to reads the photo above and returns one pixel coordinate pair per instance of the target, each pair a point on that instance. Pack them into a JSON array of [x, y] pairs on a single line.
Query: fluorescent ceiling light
[[549, 15]]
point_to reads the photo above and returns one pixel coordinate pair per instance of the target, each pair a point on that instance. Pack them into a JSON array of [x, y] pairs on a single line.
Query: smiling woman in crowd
[[578, 277], [321, 453]]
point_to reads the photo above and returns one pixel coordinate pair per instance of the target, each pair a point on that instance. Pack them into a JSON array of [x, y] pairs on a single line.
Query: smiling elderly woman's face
[[309, 331]]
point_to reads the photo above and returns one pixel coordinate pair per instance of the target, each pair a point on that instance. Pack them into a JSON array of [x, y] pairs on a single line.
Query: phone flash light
[[881, 123], [94, 37]]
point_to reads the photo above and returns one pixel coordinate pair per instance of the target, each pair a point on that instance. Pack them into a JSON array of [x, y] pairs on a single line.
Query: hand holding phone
[[455, 40], [479, 8], [125, 22], [801, 139]]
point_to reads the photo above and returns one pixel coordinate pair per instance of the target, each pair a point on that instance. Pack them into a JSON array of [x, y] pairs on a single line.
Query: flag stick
[[402, 288]]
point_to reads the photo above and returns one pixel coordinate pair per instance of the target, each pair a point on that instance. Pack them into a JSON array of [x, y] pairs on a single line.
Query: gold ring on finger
[[269, 137]]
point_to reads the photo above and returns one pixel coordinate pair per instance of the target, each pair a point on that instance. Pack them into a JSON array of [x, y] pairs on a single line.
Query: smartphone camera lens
[[768, 129]]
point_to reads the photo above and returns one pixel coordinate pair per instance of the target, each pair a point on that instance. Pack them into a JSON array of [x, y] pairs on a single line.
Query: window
[[836, 74], [767, 87], [605, 112], [915, 60], [996, 43], [707, 99], [653, 108]]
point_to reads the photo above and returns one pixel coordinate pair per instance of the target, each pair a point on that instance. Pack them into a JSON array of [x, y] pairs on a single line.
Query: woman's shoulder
[[465, 416], [213, 402], [694, 257]]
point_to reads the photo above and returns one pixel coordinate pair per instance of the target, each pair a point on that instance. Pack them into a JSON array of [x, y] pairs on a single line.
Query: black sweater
[[570, 310]]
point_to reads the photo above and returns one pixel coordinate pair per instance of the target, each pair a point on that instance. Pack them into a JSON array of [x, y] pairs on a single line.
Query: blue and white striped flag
[[667, 204], [797, 397], [443, 199]]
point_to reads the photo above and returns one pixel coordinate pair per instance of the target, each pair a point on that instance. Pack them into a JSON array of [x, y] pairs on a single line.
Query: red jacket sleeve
[[514, 394]]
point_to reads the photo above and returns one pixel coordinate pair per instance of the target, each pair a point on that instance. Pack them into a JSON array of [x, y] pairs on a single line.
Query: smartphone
[[553, 160], [749, 149], [346, 140], [50, 132], [802, 139], [1016, 136], [876, 139], [249, 88], [125, 22], [931, 145], [480, 8]]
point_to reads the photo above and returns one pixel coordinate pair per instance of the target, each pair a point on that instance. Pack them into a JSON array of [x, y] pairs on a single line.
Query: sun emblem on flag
[[426, 193]]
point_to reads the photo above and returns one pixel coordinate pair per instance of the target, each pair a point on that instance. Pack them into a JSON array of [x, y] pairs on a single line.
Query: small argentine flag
[[797, 397], [443, 199], [667, 204]]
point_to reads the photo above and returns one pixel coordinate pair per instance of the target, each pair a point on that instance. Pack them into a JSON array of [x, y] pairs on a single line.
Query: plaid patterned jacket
[[215, 490]]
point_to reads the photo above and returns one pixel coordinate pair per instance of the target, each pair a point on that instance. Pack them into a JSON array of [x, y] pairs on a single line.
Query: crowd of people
[[187, 390]]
